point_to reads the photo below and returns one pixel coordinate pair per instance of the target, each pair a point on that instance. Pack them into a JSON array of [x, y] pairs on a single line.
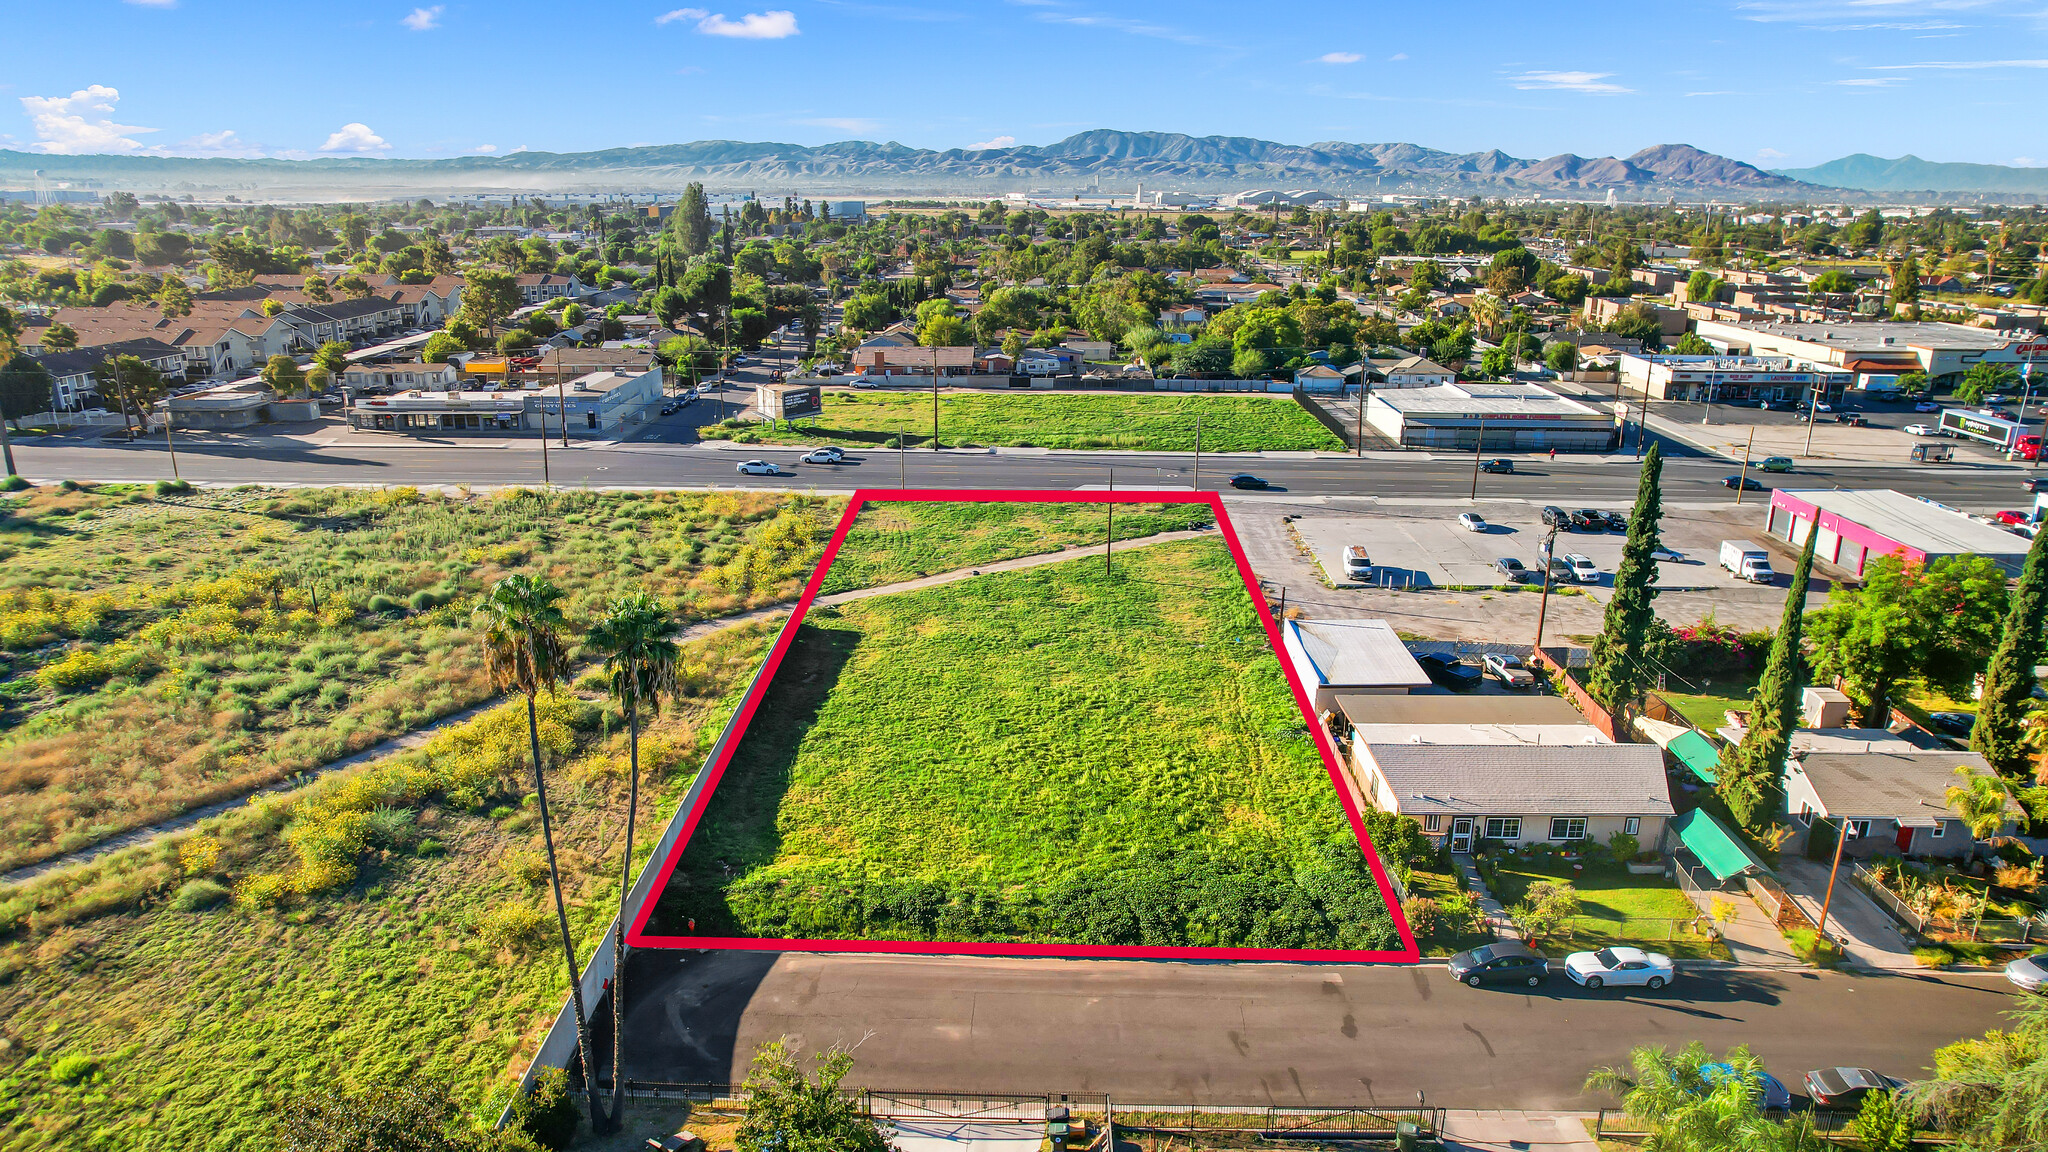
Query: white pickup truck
[[1747, 561]]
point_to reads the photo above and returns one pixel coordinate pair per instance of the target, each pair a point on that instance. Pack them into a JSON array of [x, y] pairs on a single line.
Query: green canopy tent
[[1698, 754], [1721, 851]]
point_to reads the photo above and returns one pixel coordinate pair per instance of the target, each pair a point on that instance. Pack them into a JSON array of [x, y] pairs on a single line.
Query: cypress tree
[[1752, 772], [2009, 682], [1620, 669]]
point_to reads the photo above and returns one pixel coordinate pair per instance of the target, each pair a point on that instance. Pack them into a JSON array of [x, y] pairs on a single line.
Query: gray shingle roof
[[1511, 779], [1908, 787]]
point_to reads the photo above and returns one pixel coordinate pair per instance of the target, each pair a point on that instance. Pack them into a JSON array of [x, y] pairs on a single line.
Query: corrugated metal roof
[[1357, 653], [1564, 780]]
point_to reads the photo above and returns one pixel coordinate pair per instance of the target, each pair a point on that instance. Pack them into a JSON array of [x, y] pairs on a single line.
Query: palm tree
[[523, 652], [1692, 1109], [638, 640], [1486, 309], [1988, 1091], [1984, 803]]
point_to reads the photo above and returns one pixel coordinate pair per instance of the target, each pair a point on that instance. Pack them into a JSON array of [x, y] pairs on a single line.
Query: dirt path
[[419, 736]]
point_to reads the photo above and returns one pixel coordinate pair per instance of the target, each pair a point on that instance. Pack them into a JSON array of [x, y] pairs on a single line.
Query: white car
[[1926, 406], [826, 455], [759, 468], [1620, 966], [1583, 568], [1921, 430], [1668, 555], [1471, 522]]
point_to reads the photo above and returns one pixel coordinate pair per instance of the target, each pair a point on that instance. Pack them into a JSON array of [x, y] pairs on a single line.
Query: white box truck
[[1747, 561], [1357, 565]]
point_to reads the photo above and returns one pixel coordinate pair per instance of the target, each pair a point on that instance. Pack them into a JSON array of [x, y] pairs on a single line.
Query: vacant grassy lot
[[1615, 907], [892, 541], [1145, 422], [172, 997], [158, 653], [1045, 755]]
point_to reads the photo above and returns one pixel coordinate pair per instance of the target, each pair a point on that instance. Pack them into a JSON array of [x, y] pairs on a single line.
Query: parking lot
[[1425, 550]]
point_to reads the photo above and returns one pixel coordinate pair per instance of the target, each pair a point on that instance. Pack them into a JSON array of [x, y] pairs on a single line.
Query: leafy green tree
[[26, 388], [316, 290], [1689, 1109], [1982, 380], [638, 639], [489, 295], [789, 1111], [332, 356], [1985, 804], [1512, 270], [1913, 381], [869, 313], [410, 1116], [134, 384], [1752, 771], [522, 625], [1991, 1093], [946, 331], [353, 287], [2007, 702], [691, 221], [1545, 909], [1621, 664], [284, 376], [1905, 283], [1691, 344], [1703, 285], [1562, 356], [59, 337], [1938, 622], [1882, 1125], [1639, 321], [440, 346], [173, 298]]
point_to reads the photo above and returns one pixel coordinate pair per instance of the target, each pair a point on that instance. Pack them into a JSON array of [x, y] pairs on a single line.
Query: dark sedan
[[1247, 480], [1498, 464], [1449, 672], [1745, 483], [1508, 962], [1616, 522], [1514, 570], [1589, 520], [1553, 516], [1843, 1089]]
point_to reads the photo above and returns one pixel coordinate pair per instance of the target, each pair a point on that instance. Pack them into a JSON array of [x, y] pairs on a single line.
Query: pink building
[[1856, 525]]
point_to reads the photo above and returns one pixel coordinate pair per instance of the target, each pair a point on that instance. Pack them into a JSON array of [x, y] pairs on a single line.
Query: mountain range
[[1103, 159]]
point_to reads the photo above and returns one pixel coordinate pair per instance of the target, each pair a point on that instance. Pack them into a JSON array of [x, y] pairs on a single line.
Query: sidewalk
[[1496, 916], [1869, 937], [1753, 941], [1495, 1131]]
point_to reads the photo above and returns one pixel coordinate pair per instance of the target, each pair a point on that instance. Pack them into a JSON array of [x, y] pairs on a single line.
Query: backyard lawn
[[164, 651], [1615, 907], [1152, 422], [1707, 709], [893, 541], [1049, 755]]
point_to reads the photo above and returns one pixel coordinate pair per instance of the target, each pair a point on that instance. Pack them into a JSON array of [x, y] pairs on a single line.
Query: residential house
[[73, 385], [360, 378], [540, 287], [1349, 657], [1417, 372], [1320, 378], [1892, 798], [1513, 769], [345, 320]]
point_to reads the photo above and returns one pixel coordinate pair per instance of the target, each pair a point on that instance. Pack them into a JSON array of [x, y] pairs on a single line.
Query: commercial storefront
[[1490, 417], [1857, 526], [444, 412], [1728, 379]]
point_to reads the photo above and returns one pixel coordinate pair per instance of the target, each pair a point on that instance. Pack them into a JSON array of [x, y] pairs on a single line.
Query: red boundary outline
[[637, 937]]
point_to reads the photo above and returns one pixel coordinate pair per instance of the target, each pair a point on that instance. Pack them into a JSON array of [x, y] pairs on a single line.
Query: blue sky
[[1774, 82]]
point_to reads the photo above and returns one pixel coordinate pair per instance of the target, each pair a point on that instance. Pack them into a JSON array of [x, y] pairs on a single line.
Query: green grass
[[197, 1025], [1615, 906], [1046, 755], [895, 541], [1132, 421], [159, 652], [1445, 940], [1707, 709]]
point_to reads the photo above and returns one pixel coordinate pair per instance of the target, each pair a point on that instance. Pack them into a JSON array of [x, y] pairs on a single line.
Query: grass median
[[1146, 422]]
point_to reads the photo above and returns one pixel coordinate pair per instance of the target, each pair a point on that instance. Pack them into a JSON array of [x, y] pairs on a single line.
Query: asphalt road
[[1265, 1034]]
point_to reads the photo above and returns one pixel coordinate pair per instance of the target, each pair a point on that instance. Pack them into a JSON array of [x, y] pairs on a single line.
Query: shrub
[[169, 487], [80, 668], [548, 1113], [198, 855], [1421, 912], [527, 868], [382, 604], [1624, 846], [73, 1069], [514, 927], [388, 827], [197, 895], [255, 893], [430, 847], [13, 483], [423, 600]]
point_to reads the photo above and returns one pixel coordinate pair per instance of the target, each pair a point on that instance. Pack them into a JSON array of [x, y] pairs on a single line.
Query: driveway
[[1866, 933]]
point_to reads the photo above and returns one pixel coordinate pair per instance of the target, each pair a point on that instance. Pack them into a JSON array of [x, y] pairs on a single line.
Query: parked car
[[1844, 1088], [1560, 570], [1514, 570], [2028, 973], [1921, 430], [1926, 406], [1773, 464], [1449, 672], [1620, 966], [759, 468], [1770, 1091], [1589, 519], [1746, 483], [1668, 555], [1555, 516], [1616, 522], [1998, 398], [1774, 405], [865, 384], [2010, 518], [1247, 480], [1583, 568], [1508, 962], [1957, 724], [1823, 406], [1472, 522], [1509, 670], [826, 455], [1498, 464]]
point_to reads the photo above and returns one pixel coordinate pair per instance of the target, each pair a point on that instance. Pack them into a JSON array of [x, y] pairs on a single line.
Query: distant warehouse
[[1857, 526], [1512, 417]]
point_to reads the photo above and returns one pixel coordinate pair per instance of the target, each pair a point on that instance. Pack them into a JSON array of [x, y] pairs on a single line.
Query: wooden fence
[[1778, 904]]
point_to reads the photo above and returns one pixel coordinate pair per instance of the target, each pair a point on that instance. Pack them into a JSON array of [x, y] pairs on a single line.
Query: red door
[[1905, 840]]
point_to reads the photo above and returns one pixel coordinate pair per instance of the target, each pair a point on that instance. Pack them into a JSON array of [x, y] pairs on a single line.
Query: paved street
[[1263, 1033]]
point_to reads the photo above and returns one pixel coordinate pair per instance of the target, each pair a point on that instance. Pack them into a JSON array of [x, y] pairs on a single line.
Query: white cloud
[[1339, 58], [843, 123], [1963, 65], [993, 142], [2027, 162], [423, 19], [222, 143], [355, 138], [681, 14], [1766, 155], [485, 148], [81, 122], [154, 3], [1867, 82], [1398, 56], [772, 25], [1568, 82]]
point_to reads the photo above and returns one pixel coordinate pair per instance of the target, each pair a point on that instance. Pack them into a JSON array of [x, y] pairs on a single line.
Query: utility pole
[[902, 451], [1543, 604], [1642, 420], [545, 480], [1842, 834], [935, 399], [168, 445], [1111, 533], [1198, 451], [562, 402], [1358, 433], [1478, 449], [1742, 477], [1812, 399]]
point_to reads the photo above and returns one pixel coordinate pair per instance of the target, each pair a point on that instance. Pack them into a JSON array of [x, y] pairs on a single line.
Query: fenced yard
[[1616, 906]]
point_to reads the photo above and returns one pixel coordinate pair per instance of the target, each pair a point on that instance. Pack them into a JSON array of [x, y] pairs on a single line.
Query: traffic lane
[[1242, 1034]]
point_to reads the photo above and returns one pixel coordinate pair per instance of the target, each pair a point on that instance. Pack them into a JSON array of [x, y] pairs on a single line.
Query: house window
[[1632, 825], [1940, 830], [1568, 828], [1859, 829], [1503, 827], [1432, 823], [1806, 815]]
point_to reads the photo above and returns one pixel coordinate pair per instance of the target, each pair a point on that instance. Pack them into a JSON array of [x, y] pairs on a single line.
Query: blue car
[[1773, 1090]]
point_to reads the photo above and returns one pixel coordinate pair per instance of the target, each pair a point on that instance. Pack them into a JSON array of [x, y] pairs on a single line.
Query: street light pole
[[1742, 477], [1543, 604], [1812, 412], [1478, 450], [1198, 451]]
